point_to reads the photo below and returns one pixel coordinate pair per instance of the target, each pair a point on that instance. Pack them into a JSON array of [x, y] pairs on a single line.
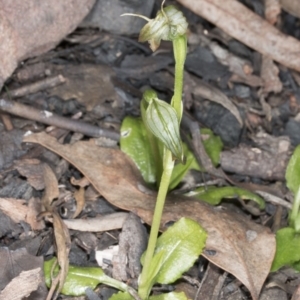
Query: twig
[[50, 118], [37, 86]]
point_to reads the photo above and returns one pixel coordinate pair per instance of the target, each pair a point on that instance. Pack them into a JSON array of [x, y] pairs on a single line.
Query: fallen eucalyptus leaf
[[235, 244]]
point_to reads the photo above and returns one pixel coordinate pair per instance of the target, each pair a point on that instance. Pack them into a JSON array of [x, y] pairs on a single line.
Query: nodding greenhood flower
[[168, 24]]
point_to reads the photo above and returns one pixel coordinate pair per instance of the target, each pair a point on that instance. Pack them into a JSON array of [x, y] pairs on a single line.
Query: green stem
[[295, 209], [144, 286], [180, 50]]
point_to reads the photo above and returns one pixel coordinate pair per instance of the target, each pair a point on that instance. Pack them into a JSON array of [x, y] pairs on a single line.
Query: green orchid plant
[[172, 253], [162, 120]]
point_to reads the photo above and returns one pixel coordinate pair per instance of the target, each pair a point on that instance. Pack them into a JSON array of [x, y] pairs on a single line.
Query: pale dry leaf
[[61, 232], [211, 93], [32, 169], [51, 188], [16, 209], [118, 180], [269, 73], [272, 11], [13, 262], [19, 211], [291, 6], [63, 245], [23, 285], [80, 201], [244, 25], [98, 224]]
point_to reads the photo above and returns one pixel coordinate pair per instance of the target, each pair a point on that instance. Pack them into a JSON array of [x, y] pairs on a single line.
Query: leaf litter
[[235, 244]]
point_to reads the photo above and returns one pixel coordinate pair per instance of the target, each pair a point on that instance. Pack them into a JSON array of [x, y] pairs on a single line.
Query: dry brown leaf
[[23, 285], [80, 201], [249, 28], [13, 262], [18, 211], [32, 169], [272, 11], [291, 6], [235, 244], [51, 188], [269, 73], [29, 28], [211, 93], [63, 244], [61, 232]]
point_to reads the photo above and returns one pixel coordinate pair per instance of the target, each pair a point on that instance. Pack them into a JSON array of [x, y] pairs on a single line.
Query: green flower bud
[[161, 119]]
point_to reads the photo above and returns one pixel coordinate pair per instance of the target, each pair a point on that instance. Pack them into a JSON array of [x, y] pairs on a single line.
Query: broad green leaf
[[287, 249], [292, 174], [161, 119], [78, 278], [182, 244], [121, 296], [81, 278], [135, 143], [170, 296], [213, 145], [214, 195]]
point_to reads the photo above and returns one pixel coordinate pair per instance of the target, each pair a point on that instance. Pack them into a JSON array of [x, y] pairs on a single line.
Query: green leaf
[[287, 249], [213, 145], [78, 278], [81, 278], [292, 174], [170, 296], [161, 119], [181, 244], [135, 143], [121, 296], [214, 195]]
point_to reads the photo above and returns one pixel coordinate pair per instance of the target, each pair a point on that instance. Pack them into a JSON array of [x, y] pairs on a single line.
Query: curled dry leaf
[[61, 233], [235, 244], [249, 28], [211, 93]]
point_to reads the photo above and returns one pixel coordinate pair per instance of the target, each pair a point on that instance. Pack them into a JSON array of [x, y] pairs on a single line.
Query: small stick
[[37, 86], [50, 118]]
